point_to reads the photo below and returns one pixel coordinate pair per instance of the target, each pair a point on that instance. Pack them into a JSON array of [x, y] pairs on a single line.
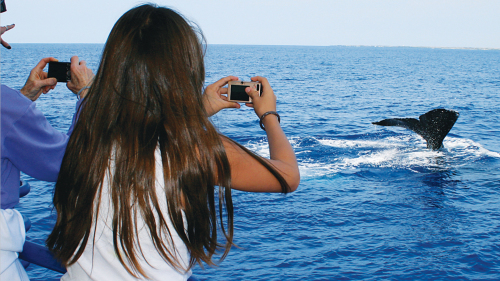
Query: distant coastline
[[427, 47]]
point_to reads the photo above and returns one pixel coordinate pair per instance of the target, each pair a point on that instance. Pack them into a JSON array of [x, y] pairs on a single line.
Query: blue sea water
[[373, 203]]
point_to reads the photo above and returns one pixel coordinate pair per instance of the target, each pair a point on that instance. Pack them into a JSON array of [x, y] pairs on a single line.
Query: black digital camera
[[60, 70]]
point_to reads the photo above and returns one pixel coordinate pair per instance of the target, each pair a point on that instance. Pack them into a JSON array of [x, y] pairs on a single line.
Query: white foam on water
[[356, 143], [401, 152], [261, 148], [380, 158], [468, 148]]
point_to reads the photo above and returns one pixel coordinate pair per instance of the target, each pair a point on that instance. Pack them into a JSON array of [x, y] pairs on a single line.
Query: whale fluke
[[433, 126]]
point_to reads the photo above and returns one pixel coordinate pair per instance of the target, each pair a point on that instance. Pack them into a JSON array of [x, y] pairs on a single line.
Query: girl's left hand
[[215, 99]]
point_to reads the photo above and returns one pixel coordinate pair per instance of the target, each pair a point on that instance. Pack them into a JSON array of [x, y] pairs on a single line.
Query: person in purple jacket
[[30, 145]]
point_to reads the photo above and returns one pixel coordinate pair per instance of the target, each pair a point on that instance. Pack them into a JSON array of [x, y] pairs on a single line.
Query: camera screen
[[238, 93]]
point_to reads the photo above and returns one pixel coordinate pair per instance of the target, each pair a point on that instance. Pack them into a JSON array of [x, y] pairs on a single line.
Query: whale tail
[[433, 126]]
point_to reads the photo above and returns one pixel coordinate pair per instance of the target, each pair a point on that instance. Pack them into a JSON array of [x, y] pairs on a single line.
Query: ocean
[[373, 203]]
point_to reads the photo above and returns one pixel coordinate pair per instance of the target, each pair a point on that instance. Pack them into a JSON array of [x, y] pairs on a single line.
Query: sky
[[417, 23]]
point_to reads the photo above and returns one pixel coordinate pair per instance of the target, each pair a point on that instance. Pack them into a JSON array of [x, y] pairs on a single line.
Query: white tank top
[[99, 261]]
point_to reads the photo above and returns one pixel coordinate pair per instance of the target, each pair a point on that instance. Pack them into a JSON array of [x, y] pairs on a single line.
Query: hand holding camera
[[257, 94], [263, 100], [215, 99], [38, 82], [81, 76], [75, 73]]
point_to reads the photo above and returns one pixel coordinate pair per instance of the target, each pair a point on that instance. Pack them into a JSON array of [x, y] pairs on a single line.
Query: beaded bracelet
[[267, 113]]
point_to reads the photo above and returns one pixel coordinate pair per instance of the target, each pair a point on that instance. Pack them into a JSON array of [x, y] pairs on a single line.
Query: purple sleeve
[[79, 106], [34, 146]]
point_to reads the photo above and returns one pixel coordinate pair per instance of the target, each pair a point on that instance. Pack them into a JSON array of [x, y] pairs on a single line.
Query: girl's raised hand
[[266, 101], [215, 96]]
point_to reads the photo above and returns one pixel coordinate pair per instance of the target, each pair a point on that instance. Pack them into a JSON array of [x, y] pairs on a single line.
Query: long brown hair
[[147, 94]]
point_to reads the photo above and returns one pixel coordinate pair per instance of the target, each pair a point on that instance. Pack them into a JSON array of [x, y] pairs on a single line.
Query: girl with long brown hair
[[136, 192]]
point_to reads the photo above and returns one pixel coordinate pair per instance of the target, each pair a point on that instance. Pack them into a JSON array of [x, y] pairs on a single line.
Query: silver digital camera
[[236, 91]]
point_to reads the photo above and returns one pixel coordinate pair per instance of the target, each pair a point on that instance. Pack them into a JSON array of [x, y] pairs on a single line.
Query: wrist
[[26, 93], [264, 118], [82, 92]]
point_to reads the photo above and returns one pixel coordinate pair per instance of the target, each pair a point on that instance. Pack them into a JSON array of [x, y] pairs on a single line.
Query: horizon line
[[289, 45]]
